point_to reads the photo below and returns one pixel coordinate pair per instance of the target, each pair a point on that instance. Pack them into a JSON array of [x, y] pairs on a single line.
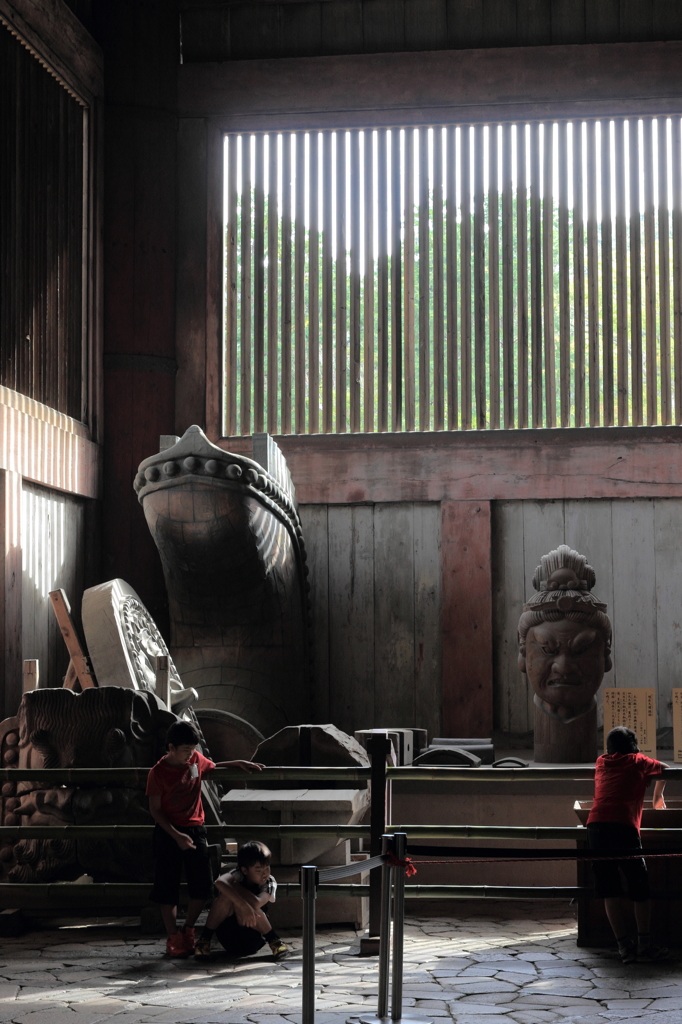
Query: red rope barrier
[[407, 864]]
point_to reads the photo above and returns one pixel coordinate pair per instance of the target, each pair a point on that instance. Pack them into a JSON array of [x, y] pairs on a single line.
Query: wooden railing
[[43, 896]]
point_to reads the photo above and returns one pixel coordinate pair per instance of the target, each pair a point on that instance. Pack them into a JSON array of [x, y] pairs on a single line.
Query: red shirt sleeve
[[648, 766], [154, 787], [205, 764]]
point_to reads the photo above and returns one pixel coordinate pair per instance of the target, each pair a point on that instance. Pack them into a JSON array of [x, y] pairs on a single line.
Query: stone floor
[[524, 969]]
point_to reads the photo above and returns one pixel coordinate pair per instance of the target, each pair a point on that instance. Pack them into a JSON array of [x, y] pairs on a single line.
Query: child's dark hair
[[252, 853], [622, 741], [181, 733]]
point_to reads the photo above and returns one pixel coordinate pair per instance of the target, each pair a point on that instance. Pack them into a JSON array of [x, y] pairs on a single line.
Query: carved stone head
[[564, 636]]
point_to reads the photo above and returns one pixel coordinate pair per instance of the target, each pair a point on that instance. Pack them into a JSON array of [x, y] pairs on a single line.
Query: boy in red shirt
[[174, 791], [620, 780]]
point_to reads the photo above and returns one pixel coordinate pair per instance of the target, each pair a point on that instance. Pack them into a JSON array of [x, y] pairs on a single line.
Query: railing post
[[400, 840], [308, 895], [397, 844], [385, 931], [377, 748], [384, 943], [400, 850]]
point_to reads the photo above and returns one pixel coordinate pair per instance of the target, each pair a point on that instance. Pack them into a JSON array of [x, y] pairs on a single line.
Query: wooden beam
[[602, 462], [53, 34], [466, 624], [62, 611], [71, 677], [434, 87]]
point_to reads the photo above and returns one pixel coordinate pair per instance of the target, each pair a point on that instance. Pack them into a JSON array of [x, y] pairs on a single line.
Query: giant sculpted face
[[564, 636]]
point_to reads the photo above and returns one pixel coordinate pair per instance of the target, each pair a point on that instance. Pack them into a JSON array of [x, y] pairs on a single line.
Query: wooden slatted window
[[42, 264], [454, 277]]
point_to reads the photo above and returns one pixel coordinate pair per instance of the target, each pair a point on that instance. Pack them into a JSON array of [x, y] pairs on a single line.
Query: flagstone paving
[[480, 970]]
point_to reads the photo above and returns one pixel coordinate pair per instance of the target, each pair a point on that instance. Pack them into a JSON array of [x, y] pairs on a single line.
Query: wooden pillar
[[467, 630], [139, 266], [11, 667]]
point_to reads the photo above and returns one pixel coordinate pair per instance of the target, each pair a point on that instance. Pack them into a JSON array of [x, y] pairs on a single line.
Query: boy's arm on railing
[[245, 766]]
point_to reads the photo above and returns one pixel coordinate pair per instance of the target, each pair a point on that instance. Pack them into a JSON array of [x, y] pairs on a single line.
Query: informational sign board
[[677, 724], [635, 708]]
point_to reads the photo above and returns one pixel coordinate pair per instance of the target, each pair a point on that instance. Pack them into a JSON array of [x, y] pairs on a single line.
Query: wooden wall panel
[[513, 699], [588, 527], [53, 556], [376, 592], [394, 638], [47, 447], [316, 533], [632, 545], [351, 616], [427, 616], [466, 618], [633, 614], [668, 610]]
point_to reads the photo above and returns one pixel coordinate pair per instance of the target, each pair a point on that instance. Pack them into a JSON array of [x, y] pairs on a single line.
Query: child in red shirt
[[620, 781], [174, 791]]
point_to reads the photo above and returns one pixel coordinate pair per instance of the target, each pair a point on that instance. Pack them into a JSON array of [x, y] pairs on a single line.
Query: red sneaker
[[190, 940], [175, 945]]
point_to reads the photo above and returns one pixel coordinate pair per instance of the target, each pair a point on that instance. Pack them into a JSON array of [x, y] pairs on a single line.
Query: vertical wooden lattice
[[42, 174], [455, 277]]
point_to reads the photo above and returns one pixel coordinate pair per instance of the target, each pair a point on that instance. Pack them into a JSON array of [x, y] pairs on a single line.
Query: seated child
[[174, 791], [620, 780], [238, 916]]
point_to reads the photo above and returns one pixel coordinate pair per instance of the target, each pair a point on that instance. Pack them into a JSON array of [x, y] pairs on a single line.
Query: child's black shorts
[[238, 940], [169, 861], [606, 835]]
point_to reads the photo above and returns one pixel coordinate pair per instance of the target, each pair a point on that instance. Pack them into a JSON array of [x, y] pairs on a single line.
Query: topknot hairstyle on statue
[[563, 582]]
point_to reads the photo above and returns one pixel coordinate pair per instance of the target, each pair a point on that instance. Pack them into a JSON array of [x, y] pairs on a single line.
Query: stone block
[[295, 807]]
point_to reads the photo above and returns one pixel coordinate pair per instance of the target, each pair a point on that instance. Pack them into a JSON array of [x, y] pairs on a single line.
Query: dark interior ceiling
[[234, 30]]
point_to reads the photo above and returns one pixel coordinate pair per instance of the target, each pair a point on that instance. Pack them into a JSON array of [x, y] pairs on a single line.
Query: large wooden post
[[467, 618]]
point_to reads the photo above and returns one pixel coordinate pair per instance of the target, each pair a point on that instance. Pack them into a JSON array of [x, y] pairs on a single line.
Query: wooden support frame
[[62, 611]]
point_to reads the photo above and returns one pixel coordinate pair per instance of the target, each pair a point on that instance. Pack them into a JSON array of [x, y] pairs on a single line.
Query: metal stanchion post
[[378, 748], [400, 849], [309, 895], [384, 941]]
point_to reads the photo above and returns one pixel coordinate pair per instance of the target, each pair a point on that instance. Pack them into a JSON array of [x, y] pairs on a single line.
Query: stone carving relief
[[124, 641], [107, 727]]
